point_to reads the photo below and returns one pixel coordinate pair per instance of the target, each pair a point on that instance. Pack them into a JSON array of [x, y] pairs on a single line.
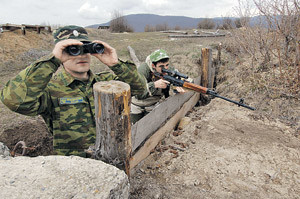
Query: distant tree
[[161, 27], [226, 24], [206, 23], [238, 23], [149, 28], [177, 27], [241, 22], [119, 23]]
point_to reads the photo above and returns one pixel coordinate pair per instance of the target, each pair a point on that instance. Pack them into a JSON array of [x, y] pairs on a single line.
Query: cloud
[[88, 11], [155, 3]]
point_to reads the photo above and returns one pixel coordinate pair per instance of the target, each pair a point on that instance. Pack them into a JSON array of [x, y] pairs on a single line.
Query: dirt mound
[[222, 153], [33, 132], [13, 44]]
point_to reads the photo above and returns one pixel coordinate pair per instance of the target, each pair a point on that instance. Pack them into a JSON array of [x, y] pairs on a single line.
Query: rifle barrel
[[205, 90], [235, 102]]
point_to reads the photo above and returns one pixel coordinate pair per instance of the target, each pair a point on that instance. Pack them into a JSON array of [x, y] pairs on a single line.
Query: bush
[[119, 23], [206, 24]]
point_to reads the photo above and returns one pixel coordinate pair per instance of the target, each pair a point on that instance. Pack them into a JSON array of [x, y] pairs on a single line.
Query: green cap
[[158, 55], [70, 32]]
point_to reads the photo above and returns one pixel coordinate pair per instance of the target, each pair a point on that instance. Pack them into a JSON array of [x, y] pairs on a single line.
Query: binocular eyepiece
[[92, 48]]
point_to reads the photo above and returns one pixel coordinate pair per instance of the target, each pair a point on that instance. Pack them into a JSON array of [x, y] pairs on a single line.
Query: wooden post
[[298, 59], [133, 56], [208, 70], [219, 54], [113, 128], [23, 30]]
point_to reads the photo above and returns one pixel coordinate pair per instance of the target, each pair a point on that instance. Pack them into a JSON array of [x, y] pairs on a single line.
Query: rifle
[[175, 78]]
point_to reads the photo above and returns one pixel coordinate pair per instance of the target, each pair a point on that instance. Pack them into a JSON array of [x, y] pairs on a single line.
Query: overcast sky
[[88, 12]]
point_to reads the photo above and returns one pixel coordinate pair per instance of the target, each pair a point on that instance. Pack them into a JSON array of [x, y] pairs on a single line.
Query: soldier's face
[[78, 64], [161, 65]]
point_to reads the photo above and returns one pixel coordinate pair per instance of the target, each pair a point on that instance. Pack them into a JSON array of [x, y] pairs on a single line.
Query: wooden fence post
[[113, 127], [23, 30], [219, 54], [208, 70], [298, 59]]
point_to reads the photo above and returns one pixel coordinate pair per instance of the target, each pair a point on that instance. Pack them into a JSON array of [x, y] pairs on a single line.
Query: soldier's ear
[[153, 66]]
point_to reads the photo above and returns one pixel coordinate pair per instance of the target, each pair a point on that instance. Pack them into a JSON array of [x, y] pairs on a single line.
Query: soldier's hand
[[109, 57], [59, 52], [180, 89], [161, 83]]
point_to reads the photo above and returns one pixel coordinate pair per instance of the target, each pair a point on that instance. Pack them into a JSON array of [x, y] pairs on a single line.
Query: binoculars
[[92, 48]]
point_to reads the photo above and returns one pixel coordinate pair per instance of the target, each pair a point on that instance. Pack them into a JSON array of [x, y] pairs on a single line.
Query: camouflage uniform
[[66, 104], [140, 106]]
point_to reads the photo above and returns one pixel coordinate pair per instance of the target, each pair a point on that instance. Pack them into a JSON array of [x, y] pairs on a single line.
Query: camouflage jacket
[[66, 104], [154, 94]]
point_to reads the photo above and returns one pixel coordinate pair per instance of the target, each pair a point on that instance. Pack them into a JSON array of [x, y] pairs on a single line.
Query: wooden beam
[[152, 142], [195, 36], [175, 31], [149, 124], [152, 128], [23, 27], [133, 56], [146, 126]]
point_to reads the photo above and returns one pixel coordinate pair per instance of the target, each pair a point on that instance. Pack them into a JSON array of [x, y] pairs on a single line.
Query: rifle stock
[[195, 87]]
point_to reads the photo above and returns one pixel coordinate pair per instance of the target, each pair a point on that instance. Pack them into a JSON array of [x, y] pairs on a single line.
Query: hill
[[139, 21]]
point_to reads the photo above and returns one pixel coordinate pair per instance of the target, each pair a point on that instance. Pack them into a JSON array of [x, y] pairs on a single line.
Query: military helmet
[[70, 32], [158, 55]]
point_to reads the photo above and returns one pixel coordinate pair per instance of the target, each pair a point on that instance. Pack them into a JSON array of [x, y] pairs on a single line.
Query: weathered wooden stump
[[208, 70], [113, 130]]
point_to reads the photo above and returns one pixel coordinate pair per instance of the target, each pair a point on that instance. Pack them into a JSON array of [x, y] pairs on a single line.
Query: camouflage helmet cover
[[70, 32], [158, 55]]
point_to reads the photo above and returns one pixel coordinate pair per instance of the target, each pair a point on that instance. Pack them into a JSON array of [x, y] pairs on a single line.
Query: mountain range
[[139, 21]]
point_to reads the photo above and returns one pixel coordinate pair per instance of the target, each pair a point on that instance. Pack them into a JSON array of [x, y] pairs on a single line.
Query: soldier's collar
[[68, 79]]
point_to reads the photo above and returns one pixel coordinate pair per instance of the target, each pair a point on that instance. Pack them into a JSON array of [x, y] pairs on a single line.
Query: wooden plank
[[11, 25], [175, 31], [151, 143], [156, 118], [195, 36], [149, 124]]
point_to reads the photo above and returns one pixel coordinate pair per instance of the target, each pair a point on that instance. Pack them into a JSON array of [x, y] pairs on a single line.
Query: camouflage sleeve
[[152, 89], [145, 71], [127, 72], [27, 93]]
